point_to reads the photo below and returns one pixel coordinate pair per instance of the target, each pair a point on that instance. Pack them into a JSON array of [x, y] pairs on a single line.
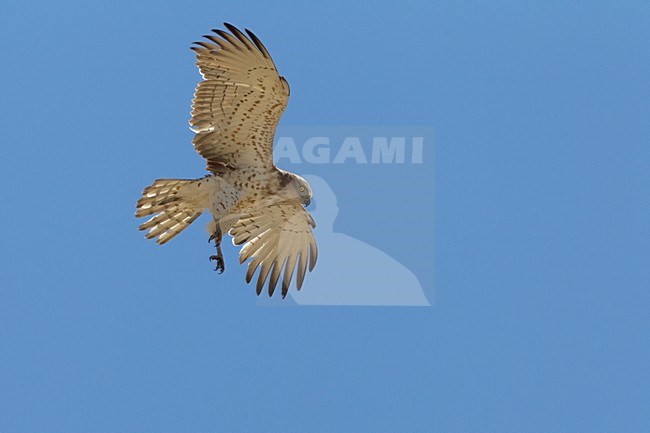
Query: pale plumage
[[276, 236], [235, 111], [239, 102]]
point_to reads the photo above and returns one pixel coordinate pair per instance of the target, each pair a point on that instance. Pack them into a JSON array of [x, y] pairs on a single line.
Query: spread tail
[[173, 207]]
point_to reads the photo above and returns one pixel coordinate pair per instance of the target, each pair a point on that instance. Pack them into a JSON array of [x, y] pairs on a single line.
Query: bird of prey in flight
[[235, 111]]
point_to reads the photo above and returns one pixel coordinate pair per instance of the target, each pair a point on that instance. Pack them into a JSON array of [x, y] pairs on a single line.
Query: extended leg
[[216, 236]]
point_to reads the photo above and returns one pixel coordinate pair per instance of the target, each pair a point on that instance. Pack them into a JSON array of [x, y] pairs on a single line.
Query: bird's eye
[[302, 189]]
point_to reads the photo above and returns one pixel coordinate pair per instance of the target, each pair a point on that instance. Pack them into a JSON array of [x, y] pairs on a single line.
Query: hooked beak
[[307, 201]]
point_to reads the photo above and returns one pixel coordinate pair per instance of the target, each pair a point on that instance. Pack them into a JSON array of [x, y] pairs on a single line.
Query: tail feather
[[172, 207]]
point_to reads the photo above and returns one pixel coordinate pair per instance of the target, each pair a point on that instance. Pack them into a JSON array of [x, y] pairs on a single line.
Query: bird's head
[[302, 188], [294, 186]]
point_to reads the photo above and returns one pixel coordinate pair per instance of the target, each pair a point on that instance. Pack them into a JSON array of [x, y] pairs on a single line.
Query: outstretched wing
[[237, 106], [277, 237]]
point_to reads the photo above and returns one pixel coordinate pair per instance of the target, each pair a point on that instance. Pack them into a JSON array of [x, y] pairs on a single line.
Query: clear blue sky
[[542, 185]]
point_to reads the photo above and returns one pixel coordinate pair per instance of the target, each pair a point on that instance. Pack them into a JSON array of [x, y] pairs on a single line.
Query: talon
[[216, 237], [221, 266]]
